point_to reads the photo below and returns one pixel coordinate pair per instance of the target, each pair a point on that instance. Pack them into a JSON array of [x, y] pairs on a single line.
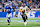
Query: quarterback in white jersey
[[24, 11], [24, 7]]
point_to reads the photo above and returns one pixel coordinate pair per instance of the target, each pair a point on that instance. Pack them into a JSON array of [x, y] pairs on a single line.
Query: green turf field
[[20, 24]]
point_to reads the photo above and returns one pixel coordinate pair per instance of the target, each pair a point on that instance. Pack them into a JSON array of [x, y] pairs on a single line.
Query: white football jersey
[[24, 8]]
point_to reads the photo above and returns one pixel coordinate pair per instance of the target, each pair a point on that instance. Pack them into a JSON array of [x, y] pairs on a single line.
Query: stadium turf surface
[[20, 24]]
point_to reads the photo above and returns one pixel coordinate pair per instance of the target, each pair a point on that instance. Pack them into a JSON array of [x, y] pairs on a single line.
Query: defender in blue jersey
[[8, 9]]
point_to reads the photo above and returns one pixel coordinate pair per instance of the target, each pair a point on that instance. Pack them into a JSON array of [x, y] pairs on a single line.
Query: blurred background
[[16, 20], [34, 5]]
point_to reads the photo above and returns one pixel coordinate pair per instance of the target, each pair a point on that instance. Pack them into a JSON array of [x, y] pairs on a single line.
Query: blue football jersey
[[8, 9]]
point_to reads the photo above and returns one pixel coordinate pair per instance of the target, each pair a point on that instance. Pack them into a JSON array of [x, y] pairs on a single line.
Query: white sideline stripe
[[20, 20]]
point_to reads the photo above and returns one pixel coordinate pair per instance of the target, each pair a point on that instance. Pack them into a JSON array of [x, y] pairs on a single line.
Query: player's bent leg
[[8, 20], [24, 21]]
